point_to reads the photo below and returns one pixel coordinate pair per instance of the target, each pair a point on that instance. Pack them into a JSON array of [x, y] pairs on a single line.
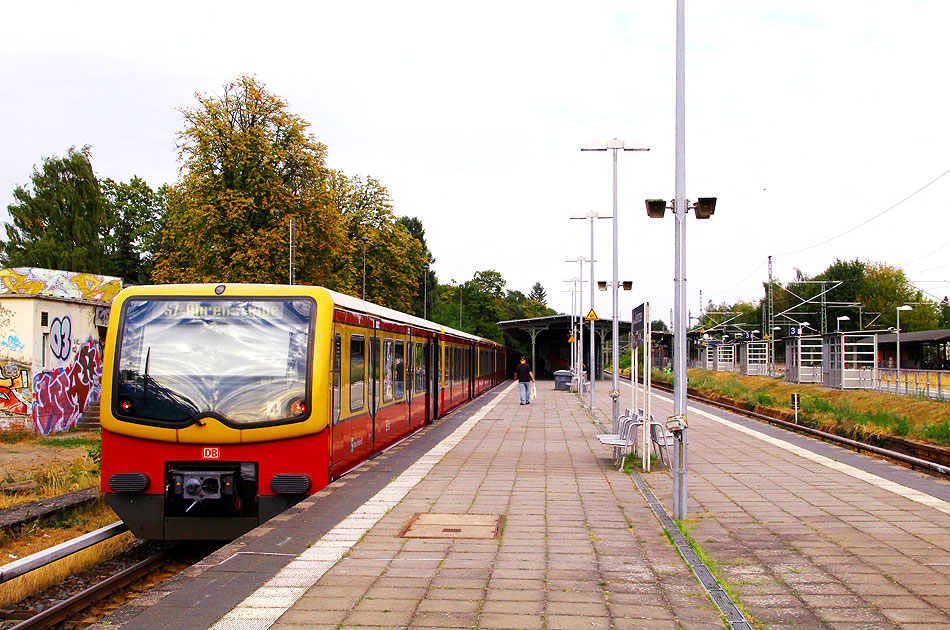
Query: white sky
[[805, 119]]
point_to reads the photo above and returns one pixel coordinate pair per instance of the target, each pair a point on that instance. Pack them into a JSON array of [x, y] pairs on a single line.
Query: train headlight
[[298, 408], [126, 406]]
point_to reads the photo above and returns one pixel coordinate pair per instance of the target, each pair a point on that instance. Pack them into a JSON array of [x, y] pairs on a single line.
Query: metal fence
[[927, 383]]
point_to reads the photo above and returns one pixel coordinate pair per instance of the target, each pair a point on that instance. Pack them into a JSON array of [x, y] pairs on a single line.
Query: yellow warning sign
[[591, 317], [570, 339]]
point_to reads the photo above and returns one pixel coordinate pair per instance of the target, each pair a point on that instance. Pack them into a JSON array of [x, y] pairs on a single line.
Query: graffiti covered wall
[[60, 284], [61, 395], [50, 346]]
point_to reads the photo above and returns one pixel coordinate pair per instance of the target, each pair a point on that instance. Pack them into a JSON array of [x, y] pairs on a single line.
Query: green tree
[[248, 166], [883, 290], [428, 282], [135, 213], [538, 294], [394, 257], [57, 222], [943, 320]]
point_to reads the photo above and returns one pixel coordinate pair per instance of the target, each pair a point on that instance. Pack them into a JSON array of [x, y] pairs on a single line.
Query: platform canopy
[[548, 340]]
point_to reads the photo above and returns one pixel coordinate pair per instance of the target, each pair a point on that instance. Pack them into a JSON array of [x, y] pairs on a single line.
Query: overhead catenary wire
[[865, 222]]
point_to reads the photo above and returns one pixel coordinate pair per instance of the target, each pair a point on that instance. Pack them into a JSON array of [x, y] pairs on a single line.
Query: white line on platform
[[885, 484], [264, 606]]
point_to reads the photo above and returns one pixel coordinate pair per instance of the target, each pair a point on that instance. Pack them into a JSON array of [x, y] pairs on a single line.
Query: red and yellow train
[[223, 405]]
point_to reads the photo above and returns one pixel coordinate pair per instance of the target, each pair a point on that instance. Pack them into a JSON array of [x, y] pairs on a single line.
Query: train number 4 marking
[[211, 452]]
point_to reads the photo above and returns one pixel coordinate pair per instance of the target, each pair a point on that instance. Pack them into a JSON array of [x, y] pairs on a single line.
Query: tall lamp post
[[593, 359], [906, 307], [459, 285], [580, 320], [842, 318], [425, 291], [365, 240], [577, 354], [615, 145], [703, 209]]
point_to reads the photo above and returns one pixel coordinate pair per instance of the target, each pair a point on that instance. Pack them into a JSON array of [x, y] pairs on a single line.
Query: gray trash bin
[[562, 380]]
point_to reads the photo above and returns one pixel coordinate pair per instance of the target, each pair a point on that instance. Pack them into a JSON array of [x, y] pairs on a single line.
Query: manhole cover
[[485, 526]]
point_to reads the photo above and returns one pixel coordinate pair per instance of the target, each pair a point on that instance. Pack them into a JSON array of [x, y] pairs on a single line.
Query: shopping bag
[[534, 391]]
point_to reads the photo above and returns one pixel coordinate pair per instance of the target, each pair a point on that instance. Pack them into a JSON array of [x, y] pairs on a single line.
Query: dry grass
[[854, 413], [74, 465], [40, 537]]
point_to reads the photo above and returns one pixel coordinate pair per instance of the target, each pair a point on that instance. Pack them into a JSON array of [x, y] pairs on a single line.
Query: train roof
[[362, 306], [339, 299]]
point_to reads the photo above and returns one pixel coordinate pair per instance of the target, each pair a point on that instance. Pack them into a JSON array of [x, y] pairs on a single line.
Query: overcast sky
[[805, 119]]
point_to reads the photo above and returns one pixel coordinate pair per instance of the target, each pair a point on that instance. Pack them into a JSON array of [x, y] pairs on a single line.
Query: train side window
[[420, 370], [337, 365], [399, 365], [357, 372], [388, 370]]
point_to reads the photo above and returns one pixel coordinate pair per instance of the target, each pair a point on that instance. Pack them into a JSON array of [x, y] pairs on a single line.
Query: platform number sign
[[794, 331], [210, 452]]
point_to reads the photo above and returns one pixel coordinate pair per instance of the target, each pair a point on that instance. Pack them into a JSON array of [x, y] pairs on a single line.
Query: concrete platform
[[807, 535]]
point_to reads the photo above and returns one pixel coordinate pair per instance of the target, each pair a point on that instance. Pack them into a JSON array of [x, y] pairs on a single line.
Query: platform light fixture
[[615, 145], [704, 208]]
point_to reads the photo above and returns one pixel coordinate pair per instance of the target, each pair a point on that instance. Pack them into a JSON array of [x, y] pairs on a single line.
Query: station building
[[52, 330]]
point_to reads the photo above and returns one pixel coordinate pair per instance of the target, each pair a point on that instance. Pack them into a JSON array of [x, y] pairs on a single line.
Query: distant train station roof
[[935, 336], [557, 322]]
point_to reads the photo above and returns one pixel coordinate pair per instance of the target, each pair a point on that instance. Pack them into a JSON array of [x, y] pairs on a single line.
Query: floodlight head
[[704, 207], [602, 285], [656, 208], [843, 318], [906, 307], [627, 285]]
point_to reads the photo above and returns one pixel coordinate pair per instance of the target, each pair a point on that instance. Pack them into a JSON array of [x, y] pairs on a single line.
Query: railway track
[[82, 600], [935, 459], [79, 592]]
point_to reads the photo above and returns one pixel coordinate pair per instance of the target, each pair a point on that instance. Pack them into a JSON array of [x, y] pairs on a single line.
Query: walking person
[[525, 377]]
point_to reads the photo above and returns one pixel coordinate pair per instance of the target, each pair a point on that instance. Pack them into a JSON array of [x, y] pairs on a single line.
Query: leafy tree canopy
[[248, 166], [58, 221], [538, 294]]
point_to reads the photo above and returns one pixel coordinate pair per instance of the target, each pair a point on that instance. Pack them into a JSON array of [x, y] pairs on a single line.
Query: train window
[[337, 363], [420, 370], [246, 361], [388, 364], [357, 372], [399, 366]]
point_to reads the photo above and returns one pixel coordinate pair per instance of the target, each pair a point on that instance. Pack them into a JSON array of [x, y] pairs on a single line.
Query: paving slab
[[806, 535]]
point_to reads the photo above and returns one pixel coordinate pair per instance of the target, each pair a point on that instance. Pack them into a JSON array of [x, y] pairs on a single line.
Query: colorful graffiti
[[16, 397], [61, 284], [60, 337], [62, 394]]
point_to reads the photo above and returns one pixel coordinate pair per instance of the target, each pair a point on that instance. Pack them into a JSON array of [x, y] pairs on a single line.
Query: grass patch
[[713, 567], [82, 472], [858, 414], [635, 463]]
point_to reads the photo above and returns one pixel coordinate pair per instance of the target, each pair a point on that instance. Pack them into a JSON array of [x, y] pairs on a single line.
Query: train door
[[435, 376], [374, 359]]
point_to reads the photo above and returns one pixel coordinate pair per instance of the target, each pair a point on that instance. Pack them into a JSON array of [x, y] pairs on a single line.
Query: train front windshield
[[242, 361]]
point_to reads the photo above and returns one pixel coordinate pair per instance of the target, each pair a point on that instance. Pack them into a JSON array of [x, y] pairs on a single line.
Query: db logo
[[211, 452]]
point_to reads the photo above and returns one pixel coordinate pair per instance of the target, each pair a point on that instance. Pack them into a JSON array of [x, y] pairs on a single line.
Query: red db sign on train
[[211, 452]]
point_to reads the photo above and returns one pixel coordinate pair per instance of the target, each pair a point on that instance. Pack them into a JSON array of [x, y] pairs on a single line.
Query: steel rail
[[824, 435], [80, 601], [60, 551]]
